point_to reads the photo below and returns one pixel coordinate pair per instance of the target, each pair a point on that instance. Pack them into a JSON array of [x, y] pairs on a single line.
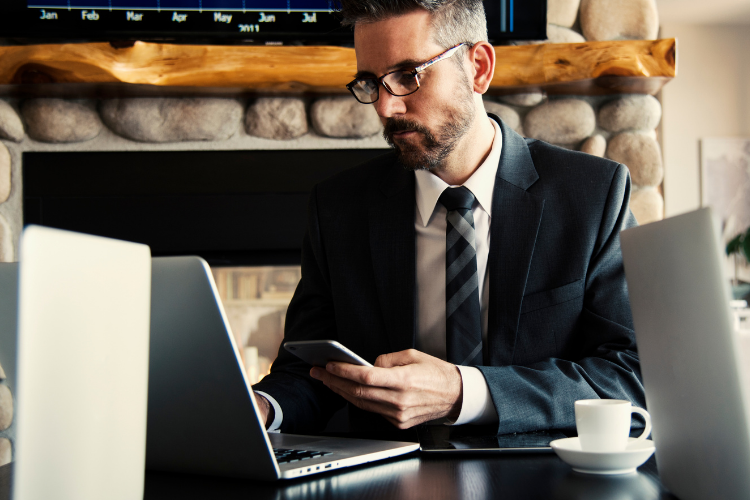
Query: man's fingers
[[365, 375], [365, 404], [400, 358], [401, 418], [355, 390], [406, 387], [386, 360], [376, 399]]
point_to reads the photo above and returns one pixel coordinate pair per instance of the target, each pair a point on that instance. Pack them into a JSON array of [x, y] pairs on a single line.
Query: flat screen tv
[[309, 22]]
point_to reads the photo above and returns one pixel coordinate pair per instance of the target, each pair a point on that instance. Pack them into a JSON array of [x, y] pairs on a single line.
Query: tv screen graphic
[[308, 22]]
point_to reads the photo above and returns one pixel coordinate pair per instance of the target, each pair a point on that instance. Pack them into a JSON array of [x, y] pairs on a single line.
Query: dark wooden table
[[415, 476]]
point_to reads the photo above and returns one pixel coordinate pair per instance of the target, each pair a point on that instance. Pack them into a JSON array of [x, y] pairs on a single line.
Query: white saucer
[[589, 462]]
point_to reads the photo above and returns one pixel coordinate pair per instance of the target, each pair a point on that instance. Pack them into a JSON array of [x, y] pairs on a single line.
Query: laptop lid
[[689, 356], [202, 416], [82, 367]]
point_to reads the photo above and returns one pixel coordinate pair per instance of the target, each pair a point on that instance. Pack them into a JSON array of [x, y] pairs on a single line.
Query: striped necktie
[[463, 330]]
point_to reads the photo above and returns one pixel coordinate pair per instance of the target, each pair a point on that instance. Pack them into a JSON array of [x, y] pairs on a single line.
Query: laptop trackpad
[[279, 440]]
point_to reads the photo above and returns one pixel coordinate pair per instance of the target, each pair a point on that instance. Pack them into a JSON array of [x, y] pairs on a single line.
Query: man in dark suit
[[480, 272]]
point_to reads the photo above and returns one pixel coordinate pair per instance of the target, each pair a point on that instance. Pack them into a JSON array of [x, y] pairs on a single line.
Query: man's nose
[[389, 105]]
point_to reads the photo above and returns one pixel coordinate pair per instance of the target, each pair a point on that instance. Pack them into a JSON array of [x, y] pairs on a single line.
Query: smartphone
[[320, 352]]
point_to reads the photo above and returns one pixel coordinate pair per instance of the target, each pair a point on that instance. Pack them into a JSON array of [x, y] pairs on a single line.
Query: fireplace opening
[[229, 207]]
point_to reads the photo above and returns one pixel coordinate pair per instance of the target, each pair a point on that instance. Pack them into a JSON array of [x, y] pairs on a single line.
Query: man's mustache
[[396, 125]]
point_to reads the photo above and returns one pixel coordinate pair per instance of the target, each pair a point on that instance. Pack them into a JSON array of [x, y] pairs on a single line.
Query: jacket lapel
[[393, 247], [516, 216]]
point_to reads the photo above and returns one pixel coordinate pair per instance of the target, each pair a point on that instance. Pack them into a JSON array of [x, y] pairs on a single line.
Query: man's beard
[[434, 148]]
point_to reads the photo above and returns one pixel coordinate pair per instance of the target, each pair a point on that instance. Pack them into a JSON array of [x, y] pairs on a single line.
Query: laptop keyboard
[[284, 455]]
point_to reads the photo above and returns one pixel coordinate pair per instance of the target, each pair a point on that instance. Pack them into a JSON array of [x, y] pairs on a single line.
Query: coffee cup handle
[[647, 431]]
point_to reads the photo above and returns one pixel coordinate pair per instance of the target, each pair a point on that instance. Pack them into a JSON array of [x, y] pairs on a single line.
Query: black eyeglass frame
[[414, 72]]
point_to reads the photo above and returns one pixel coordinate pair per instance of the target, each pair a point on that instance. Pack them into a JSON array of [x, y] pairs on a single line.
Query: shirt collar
[[481, 183]]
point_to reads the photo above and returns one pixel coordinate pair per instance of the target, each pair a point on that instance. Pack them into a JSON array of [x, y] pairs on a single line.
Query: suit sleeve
[[541, 395], [306, 403]]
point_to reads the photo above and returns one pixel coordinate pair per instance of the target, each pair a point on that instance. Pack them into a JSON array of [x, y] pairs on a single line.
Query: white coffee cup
[[604, 424]]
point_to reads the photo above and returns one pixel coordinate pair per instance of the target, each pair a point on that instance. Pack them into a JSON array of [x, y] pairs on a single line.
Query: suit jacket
[[559, 328]]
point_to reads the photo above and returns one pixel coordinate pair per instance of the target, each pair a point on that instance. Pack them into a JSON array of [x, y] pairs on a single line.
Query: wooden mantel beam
[[646, 64]]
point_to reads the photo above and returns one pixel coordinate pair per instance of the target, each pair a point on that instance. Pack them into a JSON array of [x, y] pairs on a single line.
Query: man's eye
[[404, 77]]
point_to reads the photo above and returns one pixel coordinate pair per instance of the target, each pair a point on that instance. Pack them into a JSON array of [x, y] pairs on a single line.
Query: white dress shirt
[[430, 225]]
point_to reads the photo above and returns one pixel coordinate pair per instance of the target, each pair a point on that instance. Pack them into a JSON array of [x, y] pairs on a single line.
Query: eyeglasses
[[398, 83]]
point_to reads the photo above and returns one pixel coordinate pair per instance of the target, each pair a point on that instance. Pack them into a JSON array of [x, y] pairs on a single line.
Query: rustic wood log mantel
[[642, 66]]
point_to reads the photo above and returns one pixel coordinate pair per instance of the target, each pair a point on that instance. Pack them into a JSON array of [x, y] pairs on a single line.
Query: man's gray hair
[[453, 21]]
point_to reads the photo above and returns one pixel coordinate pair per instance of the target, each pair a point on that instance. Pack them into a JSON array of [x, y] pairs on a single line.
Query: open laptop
[[690, 357], [202, 416], [82, 365]]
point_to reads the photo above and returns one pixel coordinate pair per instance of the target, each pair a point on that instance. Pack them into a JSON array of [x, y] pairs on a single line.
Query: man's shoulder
[[560, 165], [545, 154]]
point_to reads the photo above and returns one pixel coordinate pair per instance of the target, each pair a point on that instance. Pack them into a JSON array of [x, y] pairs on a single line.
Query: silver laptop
[[82, 365], [202, 416], [690, 357]]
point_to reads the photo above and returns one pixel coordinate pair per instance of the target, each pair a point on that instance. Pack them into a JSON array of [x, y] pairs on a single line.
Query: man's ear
[[482, 60]]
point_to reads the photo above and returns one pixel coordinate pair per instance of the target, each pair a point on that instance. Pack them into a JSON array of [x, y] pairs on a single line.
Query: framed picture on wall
[[725, 186]]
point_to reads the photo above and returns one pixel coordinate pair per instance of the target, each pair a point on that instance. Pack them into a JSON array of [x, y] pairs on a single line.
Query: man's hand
[[265, 408], [407, 387]]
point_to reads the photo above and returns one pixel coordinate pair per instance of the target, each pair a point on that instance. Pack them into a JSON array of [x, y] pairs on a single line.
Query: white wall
[[710, 97]]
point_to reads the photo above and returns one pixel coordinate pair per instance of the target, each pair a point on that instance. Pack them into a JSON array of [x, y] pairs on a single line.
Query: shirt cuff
[[278, 414], [477, 406]]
